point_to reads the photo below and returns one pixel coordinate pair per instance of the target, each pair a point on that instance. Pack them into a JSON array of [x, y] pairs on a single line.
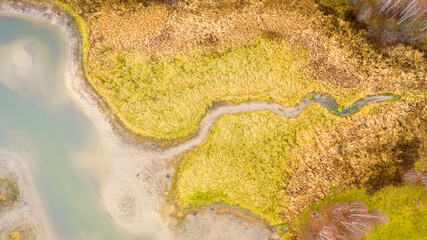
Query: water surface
[[39, 120]]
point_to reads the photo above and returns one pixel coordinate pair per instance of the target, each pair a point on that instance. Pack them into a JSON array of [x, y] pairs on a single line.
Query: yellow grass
[[161, 66], [275, 167], [247, 161], [2, 197], [14, 236], [23, 230], [165, 97], [81, 24]]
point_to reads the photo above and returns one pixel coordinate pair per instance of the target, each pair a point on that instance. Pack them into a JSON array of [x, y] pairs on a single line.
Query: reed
[[160, 66], [276, 167]]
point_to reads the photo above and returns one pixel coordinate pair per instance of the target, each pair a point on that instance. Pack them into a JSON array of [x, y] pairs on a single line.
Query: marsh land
[[232, 119]]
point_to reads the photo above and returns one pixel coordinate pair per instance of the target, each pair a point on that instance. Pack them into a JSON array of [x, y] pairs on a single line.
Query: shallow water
[[39, 120]]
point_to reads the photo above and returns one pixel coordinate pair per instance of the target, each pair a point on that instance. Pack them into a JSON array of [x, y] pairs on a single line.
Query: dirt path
[[134, 184]]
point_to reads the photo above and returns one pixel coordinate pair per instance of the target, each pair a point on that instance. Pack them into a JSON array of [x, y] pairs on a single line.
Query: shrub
[[394, 21], [342, 221], [388, 22], [2, 197], [14, 236], [9, 192], [412, 176]]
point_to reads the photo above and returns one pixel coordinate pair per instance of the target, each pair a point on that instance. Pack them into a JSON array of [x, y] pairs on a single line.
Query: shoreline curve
[[76, 79]]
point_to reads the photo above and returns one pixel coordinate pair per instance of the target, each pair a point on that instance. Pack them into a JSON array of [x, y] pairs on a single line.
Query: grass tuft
[[10, 192]]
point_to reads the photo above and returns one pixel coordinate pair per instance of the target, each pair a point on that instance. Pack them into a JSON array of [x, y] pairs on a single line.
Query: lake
[[40, 121]]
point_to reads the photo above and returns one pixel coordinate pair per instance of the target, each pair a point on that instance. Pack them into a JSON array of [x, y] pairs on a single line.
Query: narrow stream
[[39, 121]]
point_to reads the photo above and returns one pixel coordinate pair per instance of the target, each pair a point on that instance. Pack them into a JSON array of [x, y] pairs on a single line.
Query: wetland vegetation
[[404, 206], [162, 77], [159, 68], [23, 232], [166, 64]]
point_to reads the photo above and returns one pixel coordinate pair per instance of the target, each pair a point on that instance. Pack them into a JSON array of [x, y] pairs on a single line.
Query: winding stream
[[40, 120], [290, 112]]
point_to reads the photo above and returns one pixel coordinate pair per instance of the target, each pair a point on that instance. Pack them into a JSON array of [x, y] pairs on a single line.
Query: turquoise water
[[39, 121]]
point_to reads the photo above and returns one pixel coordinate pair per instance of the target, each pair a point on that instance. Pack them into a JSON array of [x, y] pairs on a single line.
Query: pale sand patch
[[22, 59], [210, 226], [29, 209]]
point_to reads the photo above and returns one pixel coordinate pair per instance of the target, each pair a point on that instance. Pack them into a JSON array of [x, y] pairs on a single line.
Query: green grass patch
[[165, 97], [9, 192], [247, 161], [341, 8], [405, 206]]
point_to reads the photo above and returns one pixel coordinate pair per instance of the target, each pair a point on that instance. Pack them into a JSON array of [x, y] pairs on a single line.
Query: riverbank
[[29, 210]]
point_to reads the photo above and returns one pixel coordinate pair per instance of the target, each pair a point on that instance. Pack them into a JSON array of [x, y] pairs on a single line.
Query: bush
[[388, 22], [342, 221], [14, 236], [9, 192], [394, 21], [2, 197]]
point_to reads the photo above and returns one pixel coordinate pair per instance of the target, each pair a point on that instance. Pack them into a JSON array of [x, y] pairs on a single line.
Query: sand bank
[[29, 209]]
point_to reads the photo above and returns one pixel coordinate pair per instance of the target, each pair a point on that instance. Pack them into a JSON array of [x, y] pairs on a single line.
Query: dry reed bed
[[368, 150], [372, 151], [276, 174], [341, 59]]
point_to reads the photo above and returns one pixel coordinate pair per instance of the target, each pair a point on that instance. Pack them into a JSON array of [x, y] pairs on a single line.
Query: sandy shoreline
[[29, 208]]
